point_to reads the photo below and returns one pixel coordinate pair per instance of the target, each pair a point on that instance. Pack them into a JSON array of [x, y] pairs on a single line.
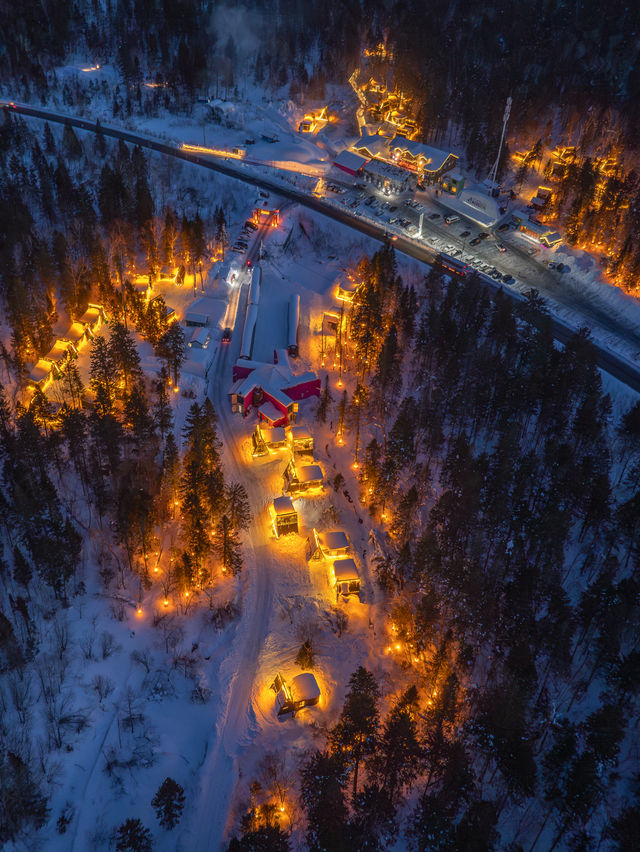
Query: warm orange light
[[186, 594], [139, 610], [176, 389], [355, 465], [166, 602]]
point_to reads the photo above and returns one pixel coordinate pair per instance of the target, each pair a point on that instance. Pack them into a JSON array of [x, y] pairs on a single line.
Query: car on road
[[226, 335], [392, 237], [501, 247], [465, 233], [504, 227], [483, 235], [474, 241], [434, 216], [449, 220]]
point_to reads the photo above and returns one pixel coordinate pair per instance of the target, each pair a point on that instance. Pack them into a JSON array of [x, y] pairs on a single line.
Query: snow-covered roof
[[91, 315], [40, 370], [283, 505], [270, 412], [349, 160], [434, 158], [304, 687], [372, 143], [309, 473], [59, 350], [345, 569], [334, 539], [386, 170], [273, 434], [76, 332], [300, 433], [193, 318], [201, 336], [272, 378]]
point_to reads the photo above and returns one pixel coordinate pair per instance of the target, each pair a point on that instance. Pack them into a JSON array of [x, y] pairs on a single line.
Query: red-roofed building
[[272, 389]]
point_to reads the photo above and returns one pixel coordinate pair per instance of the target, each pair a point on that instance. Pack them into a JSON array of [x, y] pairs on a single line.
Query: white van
[[451, 219]]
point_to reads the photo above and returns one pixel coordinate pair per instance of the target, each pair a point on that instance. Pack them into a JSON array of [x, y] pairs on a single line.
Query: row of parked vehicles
[[242, 242]]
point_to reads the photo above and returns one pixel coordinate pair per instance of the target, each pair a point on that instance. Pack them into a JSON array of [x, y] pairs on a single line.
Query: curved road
[[616, 365]]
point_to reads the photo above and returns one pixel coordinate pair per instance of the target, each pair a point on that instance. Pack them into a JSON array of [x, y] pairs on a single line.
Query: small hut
[[331, 544], [265, 439], [300, 440], [284, 518], [302, 479], [346, 579], [302, 691]]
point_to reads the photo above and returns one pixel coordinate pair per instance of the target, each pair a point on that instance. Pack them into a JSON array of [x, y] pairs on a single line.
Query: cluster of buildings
[[394, 164], [52, 366]]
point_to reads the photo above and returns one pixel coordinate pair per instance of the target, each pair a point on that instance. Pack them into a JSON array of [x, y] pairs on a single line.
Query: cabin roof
[[345, 569], [304, 687], [283, 505], [334, 539], [309, 473]]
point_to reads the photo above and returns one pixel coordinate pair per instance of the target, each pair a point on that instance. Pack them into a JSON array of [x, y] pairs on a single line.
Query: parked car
[[501, 247], [483, 235], [465, 233], [434, 216], [449, 220], [504, 227], [474, 241], [508, 279]]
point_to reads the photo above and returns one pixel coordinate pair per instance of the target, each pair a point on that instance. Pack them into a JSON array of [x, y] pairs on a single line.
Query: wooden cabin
[[346, 580], [331, 544], [93, 318], [284, 518], [300, 440], [265, 439], [41, 375], [302, 691], [301, 479], [59, 355]]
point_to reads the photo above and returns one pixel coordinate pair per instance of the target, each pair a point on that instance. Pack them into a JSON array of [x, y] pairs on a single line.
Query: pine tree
[[168, 803], [171, 348], [226, 545], [22, 805], [132, 836], [356, 734], [323, 779], [399, 755], [137, 418], [71, 143], [162, 413], [237, 508], [103, 376], [124, 355], [49, 141], [326, 399], [22, 570]]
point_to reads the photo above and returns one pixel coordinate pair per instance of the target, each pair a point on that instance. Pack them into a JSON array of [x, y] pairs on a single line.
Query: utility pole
[[494, 171]]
